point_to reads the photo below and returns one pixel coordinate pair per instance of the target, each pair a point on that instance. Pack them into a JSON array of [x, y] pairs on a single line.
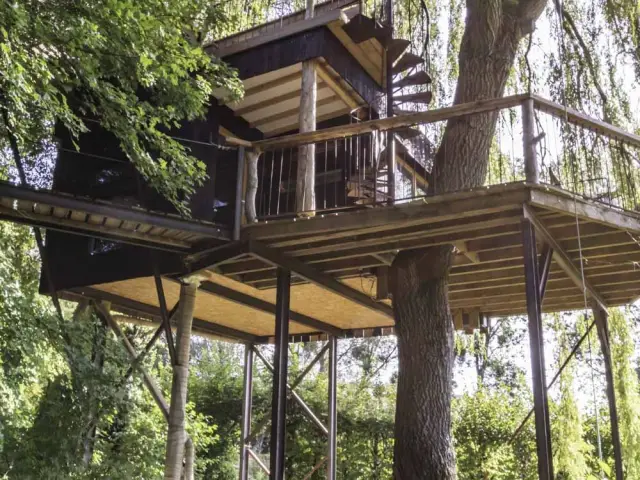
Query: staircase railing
[[536, 140]]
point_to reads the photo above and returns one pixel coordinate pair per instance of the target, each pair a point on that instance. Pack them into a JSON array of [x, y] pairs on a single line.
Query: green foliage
[[484, 423], [571, 450], [627, 390], [137, 68]]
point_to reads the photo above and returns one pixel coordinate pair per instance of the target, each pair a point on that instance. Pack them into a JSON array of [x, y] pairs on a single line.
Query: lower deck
[[339, 263]]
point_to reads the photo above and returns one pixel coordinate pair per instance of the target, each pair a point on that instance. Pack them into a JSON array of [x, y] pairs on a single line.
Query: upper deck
[[339, 257]]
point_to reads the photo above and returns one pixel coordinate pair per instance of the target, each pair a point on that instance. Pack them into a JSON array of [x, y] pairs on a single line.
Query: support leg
[[541, 407], [176, 436], [333, 413], [602, 324], [279, 399], [247, 392]]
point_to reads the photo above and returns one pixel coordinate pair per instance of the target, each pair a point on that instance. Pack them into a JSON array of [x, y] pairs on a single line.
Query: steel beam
[[279, 396], [541, 406], [544, 267], [602, 325], [276, 258], [247, 394], [264, 306], [333, 413]]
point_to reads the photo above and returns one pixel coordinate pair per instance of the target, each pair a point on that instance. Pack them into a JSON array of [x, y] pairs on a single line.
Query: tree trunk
[[423, 447], [176, 436], [419, 279]]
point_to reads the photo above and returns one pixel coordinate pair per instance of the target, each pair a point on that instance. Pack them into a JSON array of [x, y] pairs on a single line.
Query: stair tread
[[418, 78], [408, 60], [397, 47], [362, 28]]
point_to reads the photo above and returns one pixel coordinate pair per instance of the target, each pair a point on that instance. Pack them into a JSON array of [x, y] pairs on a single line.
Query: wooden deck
[[335, 258]]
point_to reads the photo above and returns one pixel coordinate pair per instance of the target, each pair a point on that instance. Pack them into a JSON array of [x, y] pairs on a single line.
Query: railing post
[[237, 218], [529, 142], [247, 393]]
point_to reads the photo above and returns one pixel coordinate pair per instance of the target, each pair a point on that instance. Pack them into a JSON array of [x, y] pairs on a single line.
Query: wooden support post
[[602, 325], [333, 412], [528, 142], [237, 217], [281, 362], [541, 406], [176, 436], [252, 185], [306, 176], [247, 394]]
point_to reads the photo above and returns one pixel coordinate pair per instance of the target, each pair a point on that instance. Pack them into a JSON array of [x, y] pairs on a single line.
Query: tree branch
[[571, 28]]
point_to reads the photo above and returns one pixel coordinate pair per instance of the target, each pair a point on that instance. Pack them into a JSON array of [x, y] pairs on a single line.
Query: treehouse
[[551, 230]]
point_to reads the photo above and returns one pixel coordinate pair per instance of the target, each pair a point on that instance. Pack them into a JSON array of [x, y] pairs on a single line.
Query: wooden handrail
[[447, 113], [579, 118], [430, 116]]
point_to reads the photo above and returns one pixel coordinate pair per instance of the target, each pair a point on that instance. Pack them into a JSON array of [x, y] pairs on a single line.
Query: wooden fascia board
[[562, 201], [431, 209], [561, 257], [298, 27]]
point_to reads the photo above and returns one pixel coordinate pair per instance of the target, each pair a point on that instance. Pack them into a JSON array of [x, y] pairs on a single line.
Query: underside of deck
[[336, 261]]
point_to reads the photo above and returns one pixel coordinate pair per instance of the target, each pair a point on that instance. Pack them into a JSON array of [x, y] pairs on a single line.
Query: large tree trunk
[[419, 279]]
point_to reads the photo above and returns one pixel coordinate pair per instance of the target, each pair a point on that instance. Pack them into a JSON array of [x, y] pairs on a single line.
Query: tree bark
[[419, 279], [252, 185], [176, 436]]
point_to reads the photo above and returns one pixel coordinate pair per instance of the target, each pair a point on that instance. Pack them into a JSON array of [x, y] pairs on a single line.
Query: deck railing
[[536, 140]]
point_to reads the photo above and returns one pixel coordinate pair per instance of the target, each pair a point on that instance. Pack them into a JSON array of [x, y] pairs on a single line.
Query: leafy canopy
[[137, 68]]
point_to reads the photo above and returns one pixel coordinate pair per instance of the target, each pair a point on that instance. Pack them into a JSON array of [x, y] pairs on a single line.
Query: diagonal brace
[[562, 259], [307, 410]]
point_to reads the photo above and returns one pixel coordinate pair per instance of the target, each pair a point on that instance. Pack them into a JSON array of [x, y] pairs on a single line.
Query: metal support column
[[247, 394], [333, 413], [279, 398], [391, 146], [541, 406], [602, 325]]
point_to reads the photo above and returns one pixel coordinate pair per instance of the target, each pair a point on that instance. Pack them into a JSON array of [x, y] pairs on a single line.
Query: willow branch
[[571, 28]]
